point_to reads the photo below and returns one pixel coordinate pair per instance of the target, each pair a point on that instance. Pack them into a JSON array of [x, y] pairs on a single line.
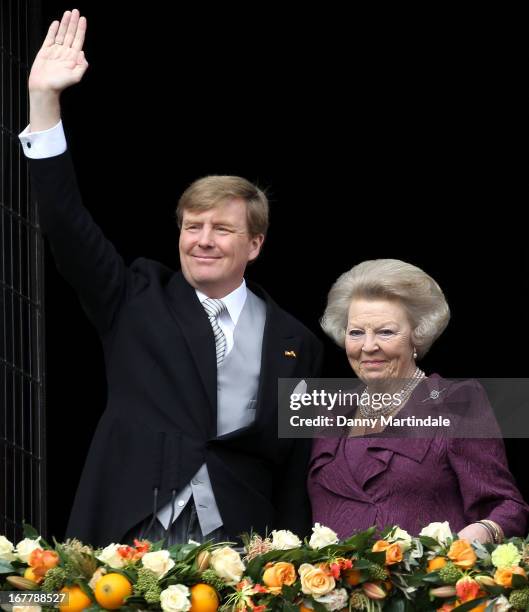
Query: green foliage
[[55, 579], [518, 581], [181, 573], [317, 606], [360, 540], [376, 557], [428, 542], [377, 572], [519, 598], [450, 573], [30, 532], [470, 605], [211, 578], [290, 593], [147, 586], [6, 567]]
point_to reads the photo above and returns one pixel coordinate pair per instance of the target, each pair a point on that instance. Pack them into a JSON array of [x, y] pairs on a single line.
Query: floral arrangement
[[278, 573]]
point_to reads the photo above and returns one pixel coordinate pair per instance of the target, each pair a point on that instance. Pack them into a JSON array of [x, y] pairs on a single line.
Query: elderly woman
[[386, 314]]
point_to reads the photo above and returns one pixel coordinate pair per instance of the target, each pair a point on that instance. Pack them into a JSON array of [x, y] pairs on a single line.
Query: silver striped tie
[[213, 309]]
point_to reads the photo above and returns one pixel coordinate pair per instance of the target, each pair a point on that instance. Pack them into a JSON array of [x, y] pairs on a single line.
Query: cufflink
[[290, 354]]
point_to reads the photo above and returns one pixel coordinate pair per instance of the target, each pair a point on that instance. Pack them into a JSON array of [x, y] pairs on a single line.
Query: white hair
[[389, 279]]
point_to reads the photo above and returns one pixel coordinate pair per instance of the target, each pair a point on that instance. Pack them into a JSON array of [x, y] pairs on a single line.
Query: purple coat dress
[[355, 483]]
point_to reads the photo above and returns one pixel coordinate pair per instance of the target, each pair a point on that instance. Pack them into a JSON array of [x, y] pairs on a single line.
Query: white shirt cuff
[[48, 143]]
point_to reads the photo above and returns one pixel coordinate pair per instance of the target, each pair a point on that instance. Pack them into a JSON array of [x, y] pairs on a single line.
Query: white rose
[[284, 540], [6, 549], [335, 600], [438, 531], [158, 562], [227, 564], [111, 557], [25, 547], [96, 576], [502, 604], [175, 598], [403, 539], [322, 536]]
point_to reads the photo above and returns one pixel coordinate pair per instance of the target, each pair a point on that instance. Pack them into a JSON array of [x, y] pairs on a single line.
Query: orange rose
[[35, 558], [380, 545], [393, 554], [278, 574], [462, 554], [43, 560], [503, 576], [393, 551], [436, 563], [315, 581]]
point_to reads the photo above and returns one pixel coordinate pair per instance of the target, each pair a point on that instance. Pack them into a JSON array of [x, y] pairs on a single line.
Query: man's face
[[215, 247]]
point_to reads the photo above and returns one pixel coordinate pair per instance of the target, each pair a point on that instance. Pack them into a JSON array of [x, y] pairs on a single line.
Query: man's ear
[[256, 243]]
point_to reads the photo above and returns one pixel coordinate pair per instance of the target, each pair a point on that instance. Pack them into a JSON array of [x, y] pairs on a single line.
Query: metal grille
[[22, 422]]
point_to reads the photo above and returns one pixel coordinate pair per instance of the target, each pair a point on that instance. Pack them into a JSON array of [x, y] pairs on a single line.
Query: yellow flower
[[506, 555]]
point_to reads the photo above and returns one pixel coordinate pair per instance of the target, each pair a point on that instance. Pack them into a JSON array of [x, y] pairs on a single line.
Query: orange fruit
[[436, 563], [204, 598], [30, 575], [303, 608], [111, 590], [77, 599]]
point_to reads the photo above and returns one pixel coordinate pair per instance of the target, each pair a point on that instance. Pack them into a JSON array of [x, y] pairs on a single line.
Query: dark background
[[372, 140]]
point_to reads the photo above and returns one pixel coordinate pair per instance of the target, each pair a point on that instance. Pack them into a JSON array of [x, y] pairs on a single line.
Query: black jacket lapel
[[196, 329]]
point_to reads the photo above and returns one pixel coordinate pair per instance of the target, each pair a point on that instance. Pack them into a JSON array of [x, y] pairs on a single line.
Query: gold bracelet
[[488, 529], [495, 529], [501, 534]]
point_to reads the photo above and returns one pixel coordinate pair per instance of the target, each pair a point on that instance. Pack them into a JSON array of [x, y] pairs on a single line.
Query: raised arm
[[83, 255], [59, 64]]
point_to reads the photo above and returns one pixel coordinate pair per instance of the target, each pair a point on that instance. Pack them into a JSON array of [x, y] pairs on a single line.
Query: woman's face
[[378, 340]]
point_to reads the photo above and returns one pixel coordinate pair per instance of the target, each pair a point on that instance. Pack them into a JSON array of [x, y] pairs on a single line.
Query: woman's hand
[[475, 531], [60, 61]]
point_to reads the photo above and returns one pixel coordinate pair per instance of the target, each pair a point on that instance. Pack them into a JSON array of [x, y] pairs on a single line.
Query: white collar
[[234, 301]]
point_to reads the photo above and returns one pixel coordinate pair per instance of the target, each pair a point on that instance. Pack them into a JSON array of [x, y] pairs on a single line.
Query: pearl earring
[[414, 353]]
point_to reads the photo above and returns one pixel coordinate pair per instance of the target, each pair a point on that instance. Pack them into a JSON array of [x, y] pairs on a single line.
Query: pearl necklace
[[368, 412]]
